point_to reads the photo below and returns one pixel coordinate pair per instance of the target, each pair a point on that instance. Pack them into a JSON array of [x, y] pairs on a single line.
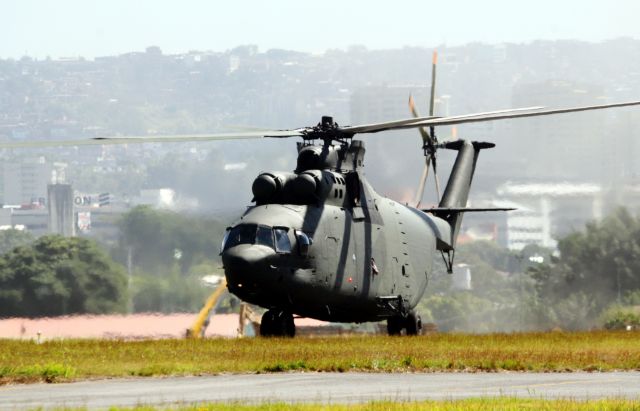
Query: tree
[[595, 268], [171, 294], [170, 254], [59, 276], [159, 238], [496, 301], [10, 239]]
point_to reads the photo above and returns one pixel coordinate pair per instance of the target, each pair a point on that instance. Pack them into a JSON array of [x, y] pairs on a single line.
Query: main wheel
[[286, 326], [394, 325], [277, 324], [267, 324], [413, 324]]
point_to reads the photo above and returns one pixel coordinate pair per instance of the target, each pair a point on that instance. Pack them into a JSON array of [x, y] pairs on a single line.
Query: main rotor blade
[[387, 125], [153, 139], [477, 118], [420, 121]]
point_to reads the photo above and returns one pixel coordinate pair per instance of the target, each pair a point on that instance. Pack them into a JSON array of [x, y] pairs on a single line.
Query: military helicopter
[[320, 242]]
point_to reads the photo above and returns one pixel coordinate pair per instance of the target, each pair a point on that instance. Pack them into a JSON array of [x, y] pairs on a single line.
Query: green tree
[[170, 294], [159, 238], [10, 239], [595, 269], [601, 262], [59, 276], [501, 298]]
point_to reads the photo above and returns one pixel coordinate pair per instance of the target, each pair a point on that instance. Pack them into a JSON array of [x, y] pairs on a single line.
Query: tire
[[394, 325], [267, 324], [413, 324], [288, 327], [277, 324]]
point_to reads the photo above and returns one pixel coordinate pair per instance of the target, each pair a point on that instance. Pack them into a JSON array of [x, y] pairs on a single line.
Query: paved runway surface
[[320, 387]]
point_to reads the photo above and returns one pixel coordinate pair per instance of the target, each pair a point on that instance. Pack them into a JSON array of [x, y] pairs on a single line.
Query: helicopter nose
[[245, 261]]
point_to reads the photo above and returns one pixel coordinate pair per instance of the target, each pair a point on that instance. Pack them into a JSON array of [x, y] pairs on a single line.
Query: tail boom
[[456, 194]]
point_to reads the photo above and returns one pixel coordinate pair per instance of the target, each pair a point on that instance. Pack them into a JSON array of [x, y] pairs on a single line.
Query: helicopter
[[320, 242]]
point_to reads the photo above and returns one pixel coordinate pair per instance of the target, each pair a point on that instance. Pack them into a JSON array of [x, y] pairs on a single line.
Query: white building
[[548, 211], [25, 182]]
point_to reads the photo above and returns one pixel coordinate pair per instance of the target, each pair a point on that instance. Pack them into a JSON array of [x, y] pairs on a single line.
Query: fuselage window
[[283, 244], [335, 192]]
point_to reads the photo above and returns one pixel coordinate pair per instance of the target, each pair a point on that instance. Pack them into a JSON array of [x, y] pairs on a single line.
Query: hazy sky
[[60, 28]]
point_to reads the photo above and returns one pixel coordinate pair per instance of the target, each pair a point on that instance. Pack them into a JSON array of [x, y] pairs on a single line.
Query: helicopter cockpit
[[276, 238]]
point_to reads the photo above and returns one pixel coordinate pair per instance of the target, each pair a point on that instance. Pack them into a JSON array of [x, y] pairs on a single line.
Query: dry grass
[[26, 361], [475, 404]]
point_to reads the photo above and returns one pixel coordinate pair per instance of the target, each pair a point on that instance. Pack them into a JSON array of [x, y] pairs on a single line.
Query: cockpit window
[[241, 234], [283, 244], [250, 234], [223, 246], [264, 236], [304, 241]]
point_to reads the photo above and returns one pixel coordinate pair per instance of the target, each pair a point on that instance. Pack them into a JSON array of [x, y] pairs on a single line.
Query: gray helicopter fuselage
[[343, 263]]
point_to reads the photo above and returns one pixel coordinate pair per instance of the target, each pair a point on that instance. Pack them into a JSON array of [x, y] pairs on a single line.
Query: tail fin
[[455, 196]]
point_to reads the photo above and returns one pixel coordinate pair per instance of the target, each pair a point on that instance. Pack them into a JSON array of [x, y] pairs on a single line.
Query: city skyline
[[72, 28]]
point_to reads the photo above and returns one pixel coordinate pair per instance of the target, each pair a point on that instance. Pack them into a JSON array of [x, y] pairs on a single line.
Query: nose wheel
[[276, 323], [411, 324]]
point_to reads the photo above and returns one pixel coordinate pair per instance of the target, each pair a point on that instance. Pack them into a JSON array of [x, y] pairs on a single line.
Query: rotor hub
[[326, 130]]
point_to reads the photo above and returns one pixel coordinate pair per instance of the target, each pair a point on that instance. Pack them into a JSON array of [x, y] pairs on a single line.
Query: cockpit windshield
[[283, 244], [264, 236], [249, 234], [276, 238]]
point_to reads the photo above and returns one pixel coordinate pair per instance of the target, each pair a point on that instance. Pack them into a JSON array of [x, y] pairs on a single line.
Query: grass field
[[64, 360], [479, 404]]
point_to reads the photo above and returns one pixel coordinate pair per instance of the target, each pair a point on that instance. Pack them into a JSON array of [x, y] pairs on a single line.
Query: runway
[[320, 387]]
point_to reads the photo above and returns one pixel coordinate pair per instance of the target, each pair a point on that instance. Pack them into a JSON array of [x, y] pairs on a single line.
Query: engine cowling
[[304, 185], [307, 187], [270, 187]]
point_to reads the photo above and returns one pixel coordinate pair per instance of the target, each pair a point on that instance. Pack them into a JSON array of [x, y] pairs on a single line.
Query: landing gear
[[276, 323], [394, 325], [411, 324]]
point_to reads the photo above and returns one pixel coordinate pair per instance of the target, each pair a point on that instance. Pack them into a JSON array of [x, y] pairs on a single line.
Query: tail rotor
[[429, 139]]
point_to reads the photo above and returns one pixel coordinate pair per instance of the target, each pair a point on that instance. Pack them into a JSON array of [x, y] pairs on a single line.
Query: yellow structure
[[197, 330]]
